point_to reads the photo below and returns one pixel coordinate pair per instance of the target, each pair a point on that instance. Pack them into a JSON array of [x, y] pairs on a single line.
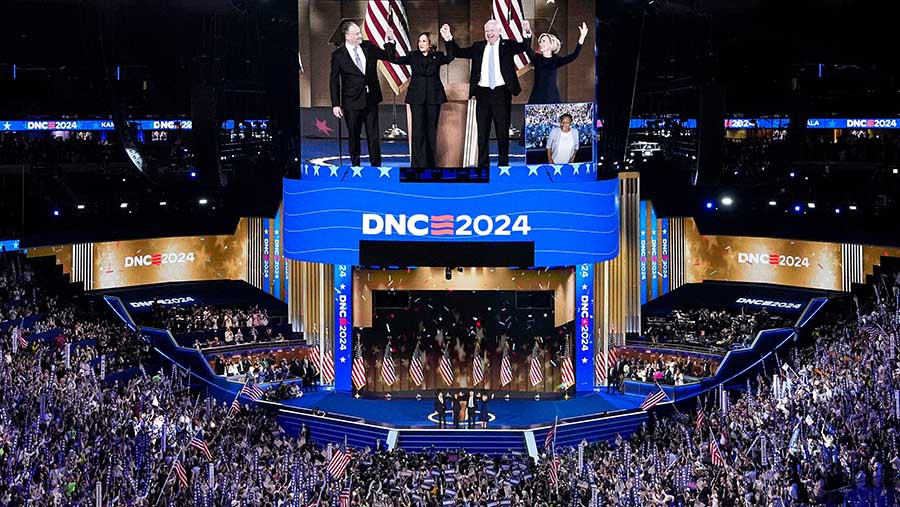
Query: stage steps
[[481, 441], [323, 430]]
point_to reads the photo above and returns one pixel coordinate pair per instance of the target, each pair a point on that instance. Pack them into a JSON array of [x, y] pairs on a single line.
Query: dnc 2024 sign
[[570, 223]]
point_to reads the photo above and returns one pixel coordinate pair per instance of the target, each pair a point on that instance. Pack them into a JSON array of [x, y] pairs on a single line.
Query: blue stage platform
[[409, 413]]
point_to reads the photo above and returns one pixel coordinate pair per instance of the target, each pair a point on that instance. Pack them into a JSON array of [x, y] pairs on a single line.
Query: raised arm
[[453, 48], [569, 58], [525, 45], [377, 52], [393, 57]]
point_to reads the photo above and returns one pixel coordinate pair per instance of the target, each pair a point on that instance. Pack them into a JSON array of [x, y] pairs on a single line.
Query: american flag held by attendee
[[388, 373], [20, 336], [252, 391], [510, 15], [551, 435], [700, 417], [339, 461], [181, 473], [446, 367], [714, 454], [653, 399], [536, 372], [554, 470], [235, 407], [358, 372], [381, 15], [505, 368], [345, 495], [197, 442], [416, 368]]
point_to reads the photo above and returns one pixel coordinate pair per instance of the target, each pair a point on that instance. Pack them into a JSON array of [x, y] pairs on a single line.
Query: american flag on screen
[[381, 15], [510, 15], [536, 371], [358, 372], [477, 366], [566, 369], [446, 367], [328, 368]]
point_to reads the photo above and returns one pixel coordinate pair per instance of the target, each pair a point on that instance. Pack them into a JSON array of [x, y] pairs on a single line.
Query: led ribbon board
[[570, 220]]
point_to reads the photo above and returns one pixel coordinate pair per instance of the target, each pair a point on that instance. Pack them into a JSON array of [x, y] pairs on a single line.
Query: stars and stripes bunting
[[505, 369], [446, 367], [388, 374], [381, 15], [358, 372], [181, 473], [198, 443], [339, 461], [536, 372], [653, 399], [416, 368], [510, 15]]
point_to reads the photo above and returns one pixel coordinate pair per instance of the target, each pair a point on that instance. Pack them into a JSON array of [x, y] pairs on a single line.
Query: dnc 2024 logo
[[374, 224]]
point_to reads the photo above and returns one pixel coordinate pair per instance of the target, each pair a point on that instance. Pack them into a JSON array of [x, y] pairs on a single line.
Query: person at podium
[[425, 94], [356, 92], [493, 82]]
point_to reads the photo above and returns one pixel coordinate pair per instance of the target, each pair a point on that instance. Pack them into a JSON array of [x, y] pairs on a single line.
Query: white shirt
[[495, 61], [360, 52], [566, 146]]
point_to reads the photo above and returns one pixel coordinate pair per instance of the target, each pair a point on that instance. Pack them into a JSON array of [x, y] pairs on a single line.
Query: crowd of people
[[710, 328], [188, 319], [269, 367], [666, 369]]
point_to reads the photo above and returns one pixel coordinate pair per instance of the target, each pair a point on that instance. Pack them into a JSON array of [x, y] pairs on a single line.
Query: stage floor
[[409, 413]]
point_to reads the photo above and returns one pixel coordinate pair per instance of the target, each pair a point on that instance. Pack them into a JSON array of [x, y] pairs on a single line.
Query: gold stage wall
[[560, 281]]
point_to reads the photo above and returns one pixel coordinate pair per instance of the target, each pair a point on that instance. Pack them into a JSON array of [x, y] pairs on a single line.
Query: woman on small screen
[[546, 62], [562, 145]]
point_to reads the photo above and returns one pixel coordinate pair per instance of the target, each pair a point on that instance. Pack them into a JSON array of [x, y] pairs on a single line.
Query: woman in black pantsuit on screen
[[424, 95]]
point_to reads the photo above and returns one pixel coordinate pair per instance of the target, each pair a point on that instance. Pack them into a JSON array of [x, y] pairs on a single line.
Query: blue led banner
[[86, 125], [643, 251], [584, 336], [569, 223], [853, 123], [343, 327], [266, 268], [654, 255], [664, 255], [276, 252]]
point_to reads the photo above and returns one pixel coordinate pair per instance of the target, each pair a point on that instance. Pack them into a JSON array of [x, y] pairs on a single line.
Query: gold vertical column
[[622, 274], [295, 296], [676, 253]]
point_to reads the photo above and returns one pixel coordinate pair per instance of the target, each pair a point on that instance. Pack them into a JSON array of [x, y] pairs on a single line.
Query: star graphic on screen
[[333, 170], [384, 172], [357, 171], [6, 126], [322, 126], [583, 360], [343, 286], [532, 171], [343, 359], [557, 171], [315, 170], [306, 169], [576, 169], [584, 286], [504, 170]]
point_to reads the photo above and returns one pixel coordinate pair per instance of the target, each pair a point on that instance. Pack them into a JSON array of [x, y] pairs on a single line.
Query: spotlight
[[460, 269], [837, 211], [727, 201], [123, 205], [193, 174], [448, 273], [162, 203], [811, 205], [896, 171], [56, 212], [797, 208], [203, 201], [773, 203], [80, 206], [852, 207], [792, 174], [709, 205]]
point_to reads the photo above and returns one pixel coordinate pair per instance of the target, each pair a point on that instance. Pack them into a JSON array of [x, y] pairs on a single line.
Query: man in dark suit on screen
[[355, 91], [493, 82]]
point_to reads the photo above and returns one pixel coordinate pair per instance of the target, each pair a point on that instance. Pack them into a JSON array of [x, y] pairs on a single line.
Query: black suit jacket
[[349, 85], [508, 49], [425, 86]]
